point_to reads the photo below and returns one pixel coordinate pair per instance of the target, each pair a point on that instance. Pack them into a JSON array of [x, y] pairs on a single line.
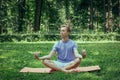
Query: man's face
[[63, 32]]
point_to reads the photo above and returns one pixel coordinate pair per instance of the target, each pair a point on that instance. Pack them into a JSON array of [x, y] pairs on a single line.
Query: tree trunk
[[3, 17], [21, 14], [91, 16], [104, 9], [37, 18], [96, 14], [0, 17], [97, 21], [109, 17], [67, 9], [119, 13], [29, 25]]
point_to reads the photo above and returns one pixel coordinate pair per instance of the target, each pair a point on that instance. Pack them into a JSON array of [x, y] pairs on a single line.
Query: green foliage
[[36, 37], [19, 37], [15, 56]]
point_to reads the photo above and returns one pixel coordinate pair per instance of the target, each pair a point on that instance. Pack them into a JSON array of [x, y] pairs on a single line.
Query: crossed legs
[[66, 69]]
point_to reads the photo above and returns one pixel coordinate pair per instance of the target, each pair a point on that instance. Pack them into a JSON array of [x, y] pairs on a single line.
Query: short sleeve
[[55, 47]]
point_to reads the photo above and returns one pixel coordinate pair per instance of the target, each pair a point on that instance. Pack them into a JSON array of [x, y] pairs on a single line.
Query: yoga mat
[[47, 70]]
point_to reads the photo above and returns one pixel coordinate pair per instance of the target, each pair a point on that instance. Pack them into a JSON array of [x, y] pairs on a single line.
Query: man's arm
[[44, 57], [48, 56], [77, 55]]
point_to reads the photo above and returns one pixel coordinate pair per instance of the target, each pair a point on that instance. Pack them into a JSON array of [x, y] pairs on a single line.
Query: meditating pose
[[67, 53]]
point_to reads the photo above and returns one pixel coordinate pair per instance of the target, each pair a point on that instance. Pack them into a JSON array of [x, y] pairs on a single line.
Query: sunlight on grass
[[8, 53], [96, 53], [32, 52], [36, 63], [2, 56], [1, 49]]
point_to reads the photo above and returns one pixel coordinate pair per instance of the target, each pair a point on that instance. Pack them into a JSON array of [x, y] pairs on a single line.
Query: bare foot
[[52, 70], [77, 69], [67, 71], [36, 56], [84, 53]]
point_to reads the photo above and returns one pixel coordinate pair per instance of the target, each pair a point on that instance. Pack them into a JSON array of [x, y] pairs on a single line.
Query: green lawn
[[15, 56]]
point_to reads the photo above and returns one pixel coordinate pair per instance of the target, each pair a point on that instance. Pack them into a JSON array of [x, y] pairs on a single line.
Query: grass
[[15, 56]]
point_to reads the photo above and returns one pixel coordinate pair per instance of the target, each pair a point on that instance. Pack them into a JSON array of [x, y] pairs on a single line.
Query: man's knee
[[78, 60], [45, 61], [75, 63]]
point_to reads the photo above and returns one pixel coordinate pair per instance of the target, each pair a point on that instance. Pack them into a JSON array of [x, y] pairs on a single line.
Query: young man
[[66, 49]]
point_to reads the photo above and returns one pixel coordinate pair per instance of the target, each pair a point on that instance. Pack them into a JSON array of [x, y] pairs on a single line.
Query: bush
[[53, 37]]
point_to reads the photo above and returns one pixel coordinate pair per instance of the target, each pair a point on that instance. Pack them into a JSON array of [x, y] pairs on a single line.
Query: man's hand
[[84, 54], [36, 56]]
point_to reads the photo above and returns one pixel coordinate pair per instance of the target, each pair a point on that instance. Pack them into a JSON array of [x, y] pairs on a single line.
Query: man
[[66, 49]]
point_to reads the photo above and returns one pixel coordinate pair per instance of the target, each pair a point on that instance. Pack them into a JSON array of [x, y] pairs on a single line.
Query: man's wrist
[[80, 57]]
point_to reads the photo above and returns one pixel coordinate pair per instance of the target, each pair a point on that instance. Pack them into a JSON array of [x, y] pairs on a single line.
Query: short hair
[[68, 27]]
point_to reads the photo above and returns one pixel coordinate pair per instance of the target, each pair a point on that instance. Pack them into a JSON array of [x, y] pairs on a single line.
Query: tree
[[67, 8], [21, 14], [37, 16], [104, 16], [91, 16], [3, 16], [0, 17], [110, 16]]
